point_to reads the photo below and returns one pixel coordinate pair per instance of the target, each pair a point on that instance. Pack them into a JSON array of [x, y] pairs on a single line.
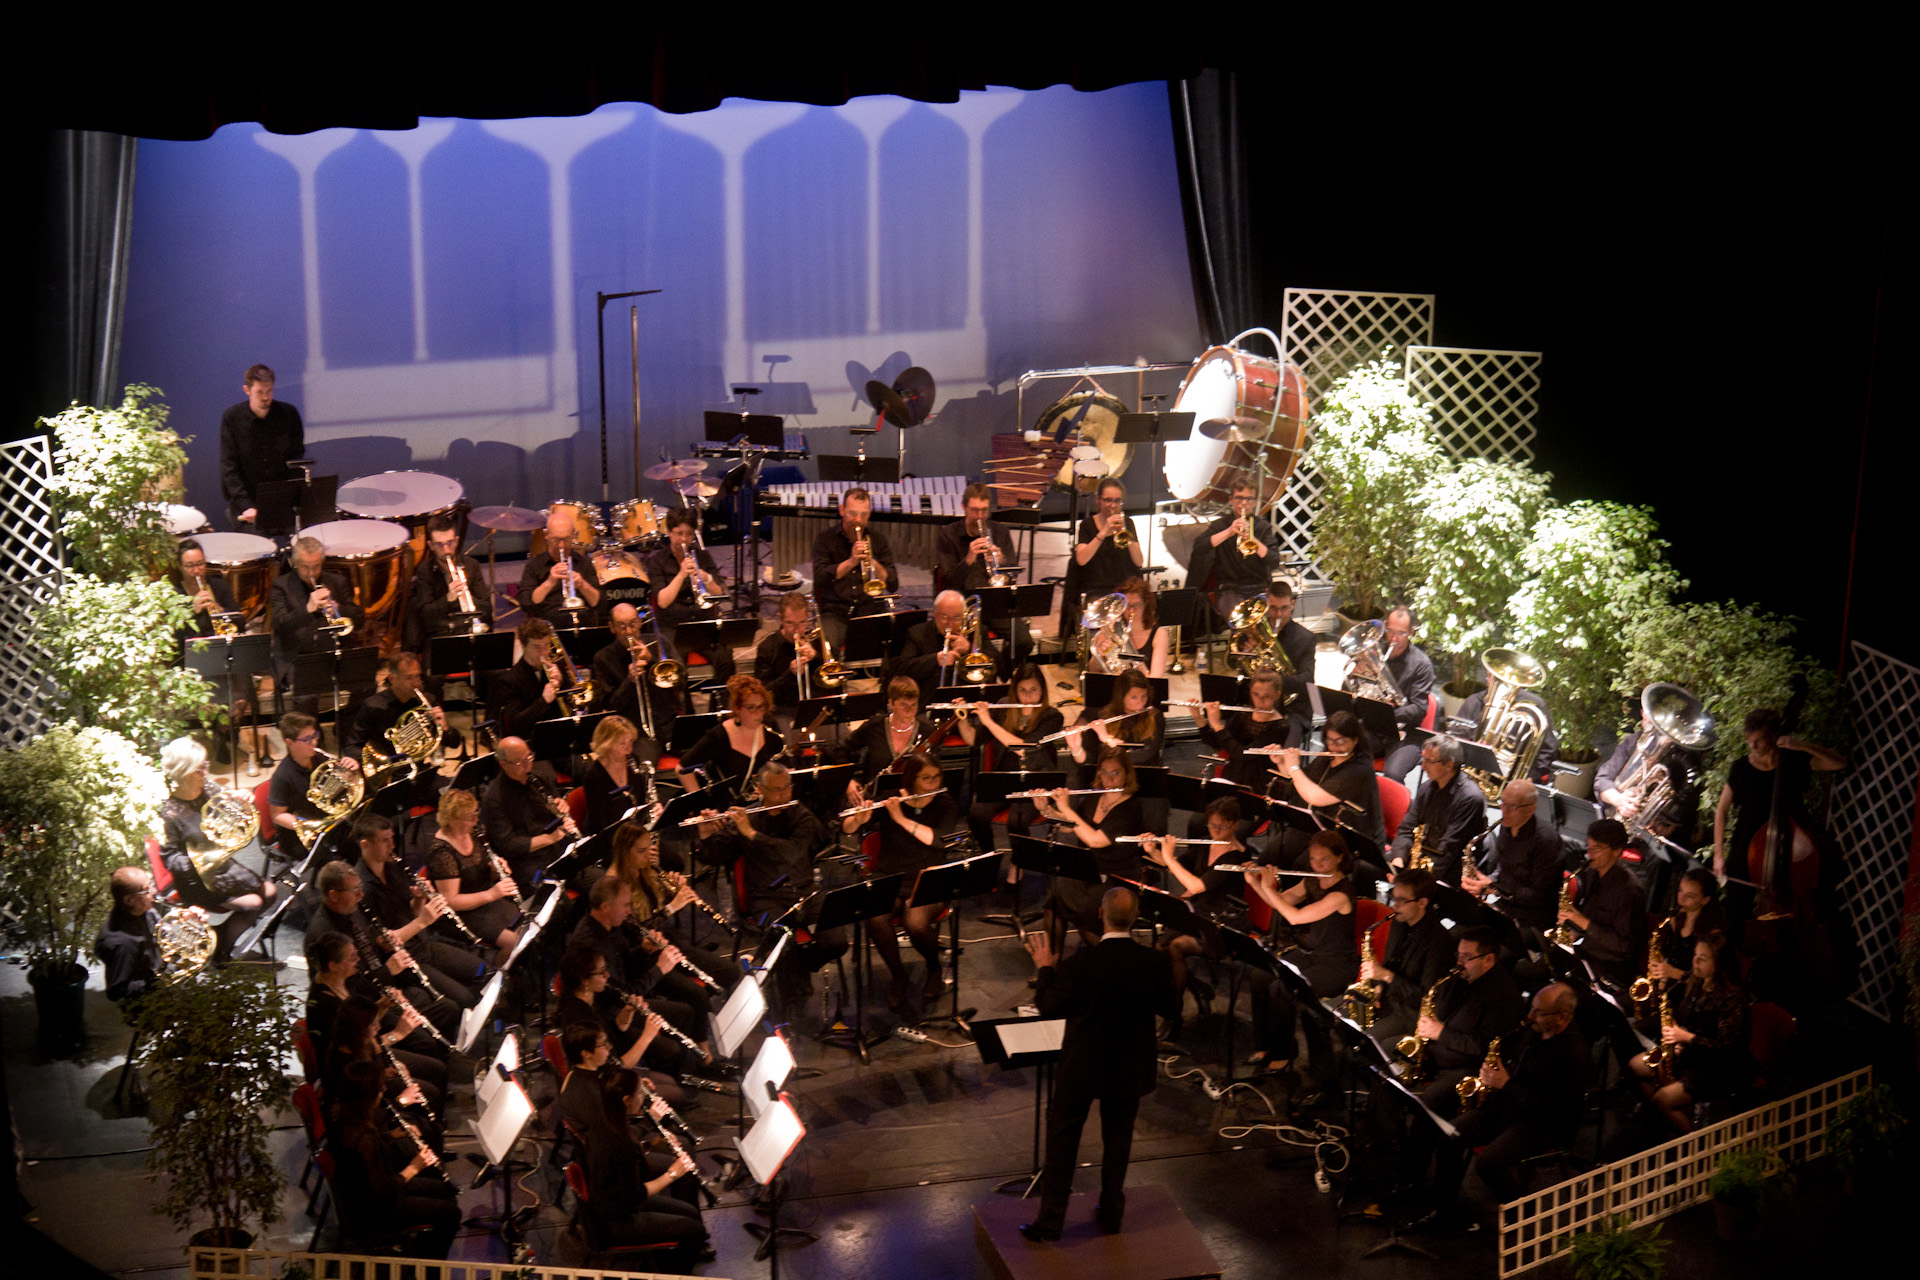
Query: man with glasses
[[1449, 810], [521, 825], [963, 552], [1418, 952], [1237, 577], [1482, 1001], [436, 598], [1519, 862], [305, 602], [126, 945], [394, 900], [621, 678], [1409, 666], [287, 791], [1610, 908], [339, 912], [382, 709]]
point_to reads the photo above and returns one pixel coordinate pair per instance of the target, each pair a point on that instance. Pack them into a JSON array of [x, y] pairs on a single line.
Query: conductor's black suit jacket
[[1109, 995]]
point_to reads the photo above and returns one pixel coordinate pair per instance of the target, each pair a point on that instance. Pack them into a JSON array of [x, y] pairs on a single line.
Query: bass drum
[[622, 580], [1227, 387], [1092, 417], [374, 556]]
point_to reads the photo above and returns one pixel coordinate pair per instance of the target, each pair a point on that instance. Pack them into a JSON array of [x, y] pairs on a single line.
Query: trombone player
[[935, 651], [969, 552], [786, 651], [623, 668], [846, 558], [531, 690]]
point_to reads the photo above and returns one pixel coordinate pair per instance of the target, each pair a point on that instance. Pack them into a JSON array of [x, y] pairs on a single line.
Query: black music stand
[[222, 661], [582, 643], [1016, 1043], [284, 507], [764, 1150], [1303, 819], [1250, 953], [879, 636], [994, 786], [688, 804], [825, 781], [503, 1117], [1472, 754], [1051, 858], [950, 882], [1195, 794], [1232, 691], [475, 774], [564, 736], [489, 651], [852, 906], [1376, 717], [351, 670], [1412, 1114], [1096, 690], [713, 635], [857, 469], [1155, 430], [767, 430]]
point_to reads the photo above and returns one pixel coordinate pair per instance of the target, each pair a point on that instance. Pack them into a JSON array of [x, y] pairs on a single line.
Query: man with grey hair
[[934, 649], [305, 599], [1448, 811]]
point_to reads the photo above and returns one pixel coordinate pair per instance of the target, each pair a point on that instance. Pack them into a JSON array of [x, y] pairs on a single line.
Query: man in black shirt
[[1683, 767], [778, 657], [381, 710], [387, 899], [1609, 907], [963, 550], [436, 600], [1481, 1002], [1296, 641], [839, 554], [293, 778], [934, 653], [339, 912], [677, 572], [1409, 666], [209, 596], [126, 945], [530, 690], [1216, 554], [1450, 808], [306, 601], [258, 437], [621, 678], [632, 971], [1522, 861], [519, 822], [543, 582], [1418, 952]]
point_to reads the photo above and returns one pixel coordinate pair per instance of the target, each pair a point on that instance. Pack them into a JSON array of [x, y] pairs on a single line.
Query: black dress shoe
[[1109, 1223], [1038, 1234]]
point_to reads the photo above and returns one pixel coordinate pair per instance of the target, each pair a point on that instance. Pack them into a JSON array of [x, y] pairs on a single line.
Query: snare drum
[[372, 554], [639, 521], [248, 563], [410, 498]]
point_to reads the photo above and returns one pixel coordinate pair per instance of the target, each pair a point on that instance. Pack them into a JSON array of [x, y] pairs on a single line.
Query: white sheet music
[[772, 1065], [1033, 1037], [772, 1138], [491, 1080], [498, 1126], [738, 1017], [474, 1020]]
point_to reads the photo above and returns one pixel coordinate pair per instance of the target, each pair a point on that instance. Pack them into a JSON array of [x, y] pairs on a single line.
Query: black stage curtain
[[90, 213], [1210, 146]]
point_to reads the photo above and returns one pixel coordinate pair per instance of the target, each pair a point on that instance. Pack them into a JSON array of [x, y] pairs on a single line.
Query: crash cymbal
[[675, 470], [888, 404], [915, 387], [507, 519], [1245, 429], [697, 488]]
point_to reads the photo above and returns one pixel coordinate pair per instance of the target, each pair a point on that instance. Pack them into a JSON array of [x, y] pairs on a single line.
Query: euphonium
[[1367, 674], [1511, 728], [1471, 1092], [1254, 645], [1413, 1048], [1641, 992], [873, 579], [1104, 623]]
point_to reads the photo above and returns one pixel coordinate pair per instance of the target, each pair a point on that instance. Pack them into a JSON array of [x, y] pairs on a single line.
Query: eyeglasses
[[308, 737]]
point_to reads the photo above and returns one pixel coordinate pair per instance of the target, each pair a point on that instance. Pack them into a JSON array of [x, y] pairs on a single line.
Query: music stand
[[473, 1021], [1194, 795], [879, 636], [1376, 717], [1154, 430], [564, 735], [764, 1150], [504, 1112], [352, 670], [1052, 858], [1096, 690], [718, 797], [1472, 754], [764, 429], [852, 906], [1250, 953], [951, 882], [820, 778], [488, 651], [714, 635], [284, 507], [238, 656], [1016, 1043], [475, 774], [847, 468]]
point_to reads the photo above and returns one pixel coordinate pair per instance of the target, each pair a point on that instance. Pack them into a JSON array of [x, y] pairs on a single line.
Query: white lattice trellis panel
[[1329, 332], [1873, 815], [1483, 402], [29, 577]]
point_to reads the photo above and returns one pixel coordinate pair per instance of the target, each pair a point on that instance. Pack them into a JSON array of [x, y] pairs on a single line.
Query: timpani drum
[[410, 498], [1231, 392], [373, 556], [180, 520], [247, 561]]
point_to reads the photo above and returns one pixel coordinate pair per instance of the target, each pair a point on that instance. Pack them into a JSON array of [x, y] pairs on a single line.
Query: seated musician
[[1095, 822], [911, 824], [1296, 642], [381, 710], [530, 690], [1447, 812], [126, 946], [356, 1037], [623, 675], [1217, 897], [881, 740], [630, 1192], [611, 783], [1402, 759], [397, 903], [1237, 576], [588, 1036], [335, 978], [543, 582], [1142, 735], [934, 652], [303, 603], [839, 553], [1234, 732], [1609, 907], [1418, 952], [1338, 785], [678, 572], [1532, 1103], [461, 871], [733, 750], [1314, 930], [1014, 735], [1099, 565], [1408, 664], [1682, 766], [781, 655], [382, 1189], [439, 602], [1773, 760], [229, 887], [1144, 643], [1476, 1002], [524, 817], [637, 975], [1519, 861], [209, 596], [964, 550], [384, 960], [1704, 1028], [658, 897], [1697, 912]]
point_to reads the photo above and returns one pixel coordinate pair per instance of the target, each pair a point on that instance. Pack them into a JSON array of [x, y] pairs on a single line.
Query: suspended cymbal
[[1243, 429], [507, 519], [888, 404], [915, 387], [697, 488], [676, 470]]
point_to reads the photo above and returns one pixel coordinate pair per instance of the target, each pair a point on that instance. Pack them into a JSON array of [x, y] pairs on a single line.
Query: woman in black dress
[[1315, 921], [1747, 797], [1143, 735], [1340, 787], [333, 963], [733, 750], [657, 897], [1144, 647], [1095, 822], [608, 780], [1014, 740], [627, 1205], [876, 744], [384, 1182], [1707, 1034], [911, 826], [458, 866], [1217, 897], [231, 888], [1696, 913], [410, 1081]]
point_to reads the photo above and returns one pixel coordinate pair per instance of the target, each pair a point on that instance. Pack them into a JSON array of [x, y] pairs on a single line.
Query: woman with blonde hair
[[460, 868], [232, 887], [609, 782]]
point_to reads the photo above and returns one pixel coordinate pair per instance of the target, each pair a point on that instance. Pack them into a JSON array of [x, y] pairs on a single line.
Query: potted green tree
[[1615, 1251], [1865, 1139], [114, 468], [213, 1048], [1745, 1183], [74, 805]]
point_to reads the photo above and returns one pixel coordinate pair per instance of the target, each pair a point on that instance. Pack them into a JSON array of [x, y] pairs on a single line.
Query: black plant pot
[[60, 1000], [222, 1237]]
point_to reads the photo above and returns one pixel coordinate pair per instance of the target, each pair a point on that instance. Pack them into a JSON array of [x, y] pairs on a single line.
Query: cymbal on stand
[[676, 470], [507, 519]]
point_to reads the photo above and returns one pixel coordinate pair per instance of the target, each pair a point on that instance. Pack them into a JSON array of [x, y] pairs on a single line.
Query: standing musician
[[678, 572], [523, 814], [293, 778], [380, 711], [881, 740], [780, 657], [232, 887], [1409, 665], [1706, 1034], [1449, 807], [1145, 642], [1143, 735], [1237, 576], [303, 600], [543, 582], [530, 690], [838, 555], [623, 671], [964, 550], [932, 654], [1093, 822], [461, 872], [1233, 732], [911, 826], [1014, 735], [1418, 952], [258, 438], [1101, 564], [1315, 917], [395, 901], [736, 747], [436, 597], [611, 783], [1519, 862], [339, 912], [208, 595], [1610, 908], [126, 946], [1773, 760], [1338, 785]]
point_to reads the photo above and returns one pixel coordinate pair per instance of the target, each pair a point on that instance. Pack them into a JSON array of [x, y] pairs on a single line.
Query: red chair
[[589, 1226], [1368, 917], [303, 1045], [306, 1101], [260, 806], [1259, 914], [1394, 801], [162, 878], [577, 806], [550, 1050], [1433, 712]]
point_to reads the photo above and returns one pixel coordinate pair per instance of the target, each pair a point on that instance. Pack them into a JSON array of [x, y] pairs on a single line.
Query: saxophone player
[[439, 606], [1416, 957], [966, 551], [1609, 907], [1451, 808]]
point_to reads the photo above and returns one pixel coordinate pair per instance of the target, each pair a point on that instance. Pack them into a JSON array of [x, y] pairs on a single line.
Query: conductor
[[1109, 994]]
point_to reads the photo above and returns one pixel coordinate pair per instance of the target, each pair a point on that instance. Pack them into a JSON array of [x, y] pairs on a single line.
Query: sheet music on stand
[[501, 1119], [1020, 1037], [473, 1021], [506, 1061], [768, 1072], [745, 1005], [775, 1133], [534, 927]]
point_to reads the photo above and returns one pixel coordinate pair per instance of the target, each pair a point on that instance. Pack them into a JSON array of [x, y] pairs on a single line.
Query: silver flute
[[988, 706], [1088, 724], [1261, 866], [1198, 706], [1040, 793], [723, 817]]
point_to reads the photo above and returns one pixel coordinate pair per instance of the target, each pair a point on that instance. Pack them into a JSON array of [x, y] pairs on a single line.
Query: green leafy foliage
[[113, 466], [112, 651], [1590, 569], [75, 804], [1375, 448], [1751, 1177], [1474, 524], [212, 1048], [1615, 1251], [1733, 658]]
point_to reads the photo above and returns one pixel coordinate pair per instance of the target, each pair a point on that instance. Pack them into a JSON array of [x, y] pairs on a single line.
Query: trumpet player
[[623, 668], [1100, 563], [681, 572], [305, 600], [544, 581], [970, 551], [841, 554], [518, 813], [438, 601], [1239, 552], [209, 597], [530, 691]]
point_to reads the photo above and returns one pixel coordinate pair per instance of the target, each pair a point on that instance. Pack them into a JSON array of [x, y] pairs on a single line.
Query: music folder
[[1375, 717], [746, 1004], [771, 1066], [1012, 1043], [1069, 861]]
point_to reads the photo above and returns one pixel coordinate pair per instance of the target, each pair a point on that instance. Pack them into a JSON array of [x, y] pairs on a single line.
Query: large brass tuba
[[1367, 676], [1104, 624], [1255, 646], [1511, 727], [1678, 720]]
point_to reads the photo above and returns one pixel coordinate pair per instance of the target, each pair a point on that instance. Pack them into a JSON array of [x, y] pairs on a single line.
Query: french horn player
[[200, 822]]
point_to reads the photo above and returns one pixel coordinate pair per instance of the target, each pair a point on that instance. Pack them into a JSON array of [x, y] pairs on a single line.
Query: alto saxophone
[[1661, 1056], [1641, 993], [1472, 1093], [1414, 1047], [1564, 934], [1418, 859]]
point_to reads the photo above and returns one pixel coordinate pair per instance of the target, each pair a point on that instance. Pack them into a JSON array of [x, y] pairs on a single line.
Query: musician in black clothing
[[1609, 907], [1409, 665], [781, 654], [839, 554], [623, 669], [1315, 923], [382, 709], [935, 650], [1676, 816], [1234, 732], [1015, 744], [1418, 952], [678, 572], [1519, 861], [292, 778], [1339, 786], [519, 816], [583, 993], [305, 602], [882, 739], [258, 438], [1480, 1001], [437, 604], [335, 977], [1096, 822], [226, 885], [629, 1206], [1449, 810], [126, 945], [629, 971], [1298, 643], [206, 594], [911, 826], [963, 550], [396, 902], [543, 582], [1217, 555], [1103, 564], [530, 690], [339, 911]]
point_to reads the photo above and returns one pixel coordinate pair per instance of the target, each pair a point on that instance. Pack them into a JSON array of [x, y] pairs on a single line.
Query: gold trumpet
[[1246, 544], [222, 623], [873, 579]]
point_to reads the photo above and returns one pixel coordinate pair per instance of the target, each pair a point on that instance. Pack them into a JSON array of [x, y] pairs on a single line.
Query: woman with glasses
[[911, 826], [735, 748], [1014, 734]]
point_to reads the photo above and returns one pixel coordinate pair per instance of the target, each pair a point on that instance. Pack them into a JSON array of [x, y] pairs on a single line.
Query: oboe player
[[437, 598]]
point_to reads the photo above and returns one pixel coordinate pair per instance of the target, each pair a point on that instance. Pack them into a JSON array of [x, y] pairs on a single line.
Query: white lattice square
[[1484, 402], [1329, 332], [30, 567]]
